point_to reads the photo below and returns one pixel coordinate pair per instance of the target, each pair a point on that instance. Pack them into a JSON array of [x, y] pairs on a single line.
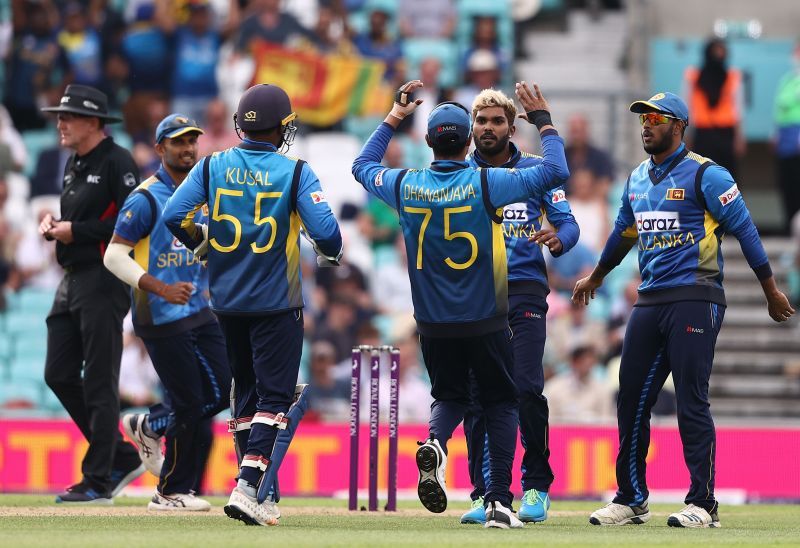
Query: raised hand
[[403, 103], [531, 100]]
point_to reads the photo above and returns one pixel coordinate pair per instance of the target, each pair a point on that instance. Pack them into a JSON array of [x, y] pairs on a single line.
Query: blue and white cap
[[449, 123]]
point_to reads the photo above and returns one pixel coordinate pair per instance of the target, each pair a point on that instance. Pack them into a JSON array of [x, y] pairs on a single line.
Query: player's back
[[253, 232], [456, 252]]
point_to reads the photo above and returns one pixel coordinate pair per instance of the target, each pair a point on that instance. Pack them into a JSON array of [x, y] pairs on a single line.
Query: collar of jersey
[[249, 144], [657, 173], [162, 175], [448, 165], [100, 150], [515, 156]]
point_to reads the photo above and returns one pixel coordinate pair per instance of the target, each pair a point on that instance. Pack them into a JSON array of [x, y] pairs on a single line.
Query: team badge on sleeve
[[676, 194], [729, 195], [559, 196], [318, 197], [129, 179], [379, 178]]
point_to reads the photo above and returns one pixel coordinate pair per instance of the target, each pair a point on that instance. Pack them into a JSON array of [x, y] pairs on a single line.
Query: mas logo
[[676, 194], [729, 195], [657, 221], [559, 196]]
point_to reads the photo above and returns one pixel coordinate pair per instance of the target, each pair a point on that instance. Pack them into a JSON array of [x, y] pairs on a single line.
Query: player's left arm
[[725, 204], [318, 220], [558, 212], [181, 208]]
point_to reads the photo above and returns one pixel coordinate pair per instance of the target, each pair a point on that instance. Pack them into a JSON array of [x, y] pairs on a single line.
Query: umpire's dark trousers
[[84, 336], [677, 337], [490, 359], [193, 368], [264, 354], [527, 317]]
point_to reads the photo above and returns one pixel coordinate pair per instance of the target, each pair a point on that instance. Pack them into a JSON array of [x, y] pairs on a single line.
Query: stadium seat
[[359, 20], [36, 140], [417, 49], [19, 395]]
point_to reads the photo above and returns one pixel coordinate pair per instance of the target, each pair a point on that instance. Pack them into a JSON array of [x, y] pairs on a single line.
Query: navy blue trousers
[[489, 358], [194, 370], [264, 353], [528, 320], [679, 338]]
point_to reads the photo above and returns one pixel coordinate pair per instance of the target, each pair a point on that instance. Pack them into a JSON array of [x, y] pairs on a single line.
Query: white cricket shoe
[[248, 510], [620, 514], [500, 517], [431, 488], [178, 502], [694, 517], [149, 448]]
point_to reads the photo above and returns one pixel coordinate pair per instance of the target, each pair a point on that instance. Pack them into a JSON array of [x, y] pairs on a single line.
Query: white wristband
[[120, 264]]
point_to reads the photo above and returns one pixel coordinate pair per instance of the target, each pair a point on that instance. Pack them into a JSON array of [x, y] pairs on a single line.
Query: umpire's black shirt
[[95, 187]]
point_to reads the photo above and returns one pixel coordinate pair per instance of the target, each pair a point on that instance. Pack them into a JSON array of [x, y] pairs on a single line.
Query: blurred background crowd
[[154, 57]]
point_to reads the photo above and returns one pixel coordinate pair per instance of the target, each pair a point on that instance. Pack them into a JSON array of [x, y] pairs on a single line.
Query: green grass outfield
[[29, 520]]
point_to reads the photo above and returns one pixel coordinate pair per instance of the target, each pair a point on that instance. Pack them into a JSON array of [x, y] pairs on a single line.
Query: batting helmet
[[264, 107]]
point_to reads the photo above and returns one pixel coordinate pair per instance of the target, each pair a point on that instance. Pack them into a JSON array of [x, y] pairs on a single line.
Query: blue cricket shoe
[[477, 514], [535, 505]]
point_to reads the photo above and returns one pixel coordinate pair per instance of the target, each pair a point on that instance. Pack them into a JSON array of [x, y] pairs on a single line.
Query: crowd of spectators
[[153, 57]]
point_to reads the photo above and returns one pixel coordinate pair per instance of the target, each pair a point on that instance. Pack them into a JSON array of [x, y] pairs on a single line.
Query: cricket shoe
[[477, 514], [247, 509], [620, 514], [149, 448], [500, 517], [535, 505], [694, 517], [120, 477], [178, 502], [83, 493], [431, 463]]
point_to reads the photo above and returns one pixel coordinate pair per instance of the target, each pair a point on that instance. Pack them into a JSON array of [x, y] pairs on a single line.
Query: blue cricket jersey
[[677, 213], [451, 217], [527, 272], [258, 199], [164, 258]]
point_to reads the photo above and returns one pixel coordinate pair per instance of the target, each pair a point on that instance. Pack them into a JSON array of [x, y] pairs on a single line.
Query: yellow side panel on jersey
[[295, 293], [500, 265], [630, 232], [141, 254], [709, 246]]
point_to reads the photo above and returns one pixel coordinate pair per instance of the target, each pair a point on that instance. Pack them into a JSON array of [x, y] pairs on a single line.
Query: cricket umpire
[[84, 326], [258, 198], [676, 207]]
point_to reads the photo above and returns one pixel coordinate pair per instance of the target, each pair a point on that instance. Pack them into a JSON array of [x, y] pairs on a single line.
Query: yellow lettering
[[161, 262], [456, 194], [250, 179], [38, 447], [577, 458], [307, 451], [690, 236], [243, 179], [471, 192], [229, 174], [258, 178]]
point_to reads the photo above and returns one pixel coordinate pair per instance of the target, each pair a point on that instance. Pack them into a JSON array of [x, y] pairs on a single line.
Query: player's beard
[[658, 145], [490, 150], [178, 166]]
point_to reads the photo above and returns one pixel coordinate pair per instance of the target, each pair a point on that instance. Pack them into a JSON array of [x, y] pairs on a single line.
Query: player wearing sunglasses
[[676, 208]]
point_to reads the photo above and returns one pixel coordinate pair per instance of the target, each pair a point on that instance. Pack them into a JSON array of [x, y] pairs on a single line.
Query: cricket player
[[451, 216], [259, 199], [172, 316], [676, 208]]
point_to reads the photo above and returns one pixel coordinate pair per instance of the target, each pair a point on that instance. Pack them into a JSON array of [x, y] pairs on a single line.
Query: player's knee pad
[[240, 428]]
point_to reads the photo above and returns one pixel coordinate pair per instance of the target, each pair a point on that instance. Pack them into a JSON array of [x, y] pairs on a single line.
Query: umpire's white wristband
[[120, 264]]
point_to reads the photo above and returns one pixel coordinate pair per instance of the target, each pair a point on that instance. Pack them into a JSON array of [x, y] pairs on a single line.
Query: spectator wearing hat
[[455, 248], [84, 327], [483, 72]]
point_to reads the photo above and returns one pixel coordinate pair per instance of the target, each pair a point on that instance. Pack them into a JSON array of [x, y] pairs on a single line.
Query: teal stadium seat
[[415, 50], [36, 140], [14, 394]]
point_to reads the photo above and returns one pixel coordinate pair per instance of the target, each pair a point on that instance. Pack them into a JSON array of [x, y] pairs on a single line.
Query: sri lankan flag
[[324, 88]]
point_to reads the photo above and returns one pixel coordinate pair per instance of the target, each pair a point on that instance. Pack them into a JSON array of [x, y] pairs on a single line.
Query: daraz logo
[[657, 221]]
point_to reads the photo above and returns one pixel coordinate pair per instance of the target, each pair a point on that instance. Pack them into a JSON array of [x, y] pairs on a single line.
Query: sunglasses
[[655, 118]]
